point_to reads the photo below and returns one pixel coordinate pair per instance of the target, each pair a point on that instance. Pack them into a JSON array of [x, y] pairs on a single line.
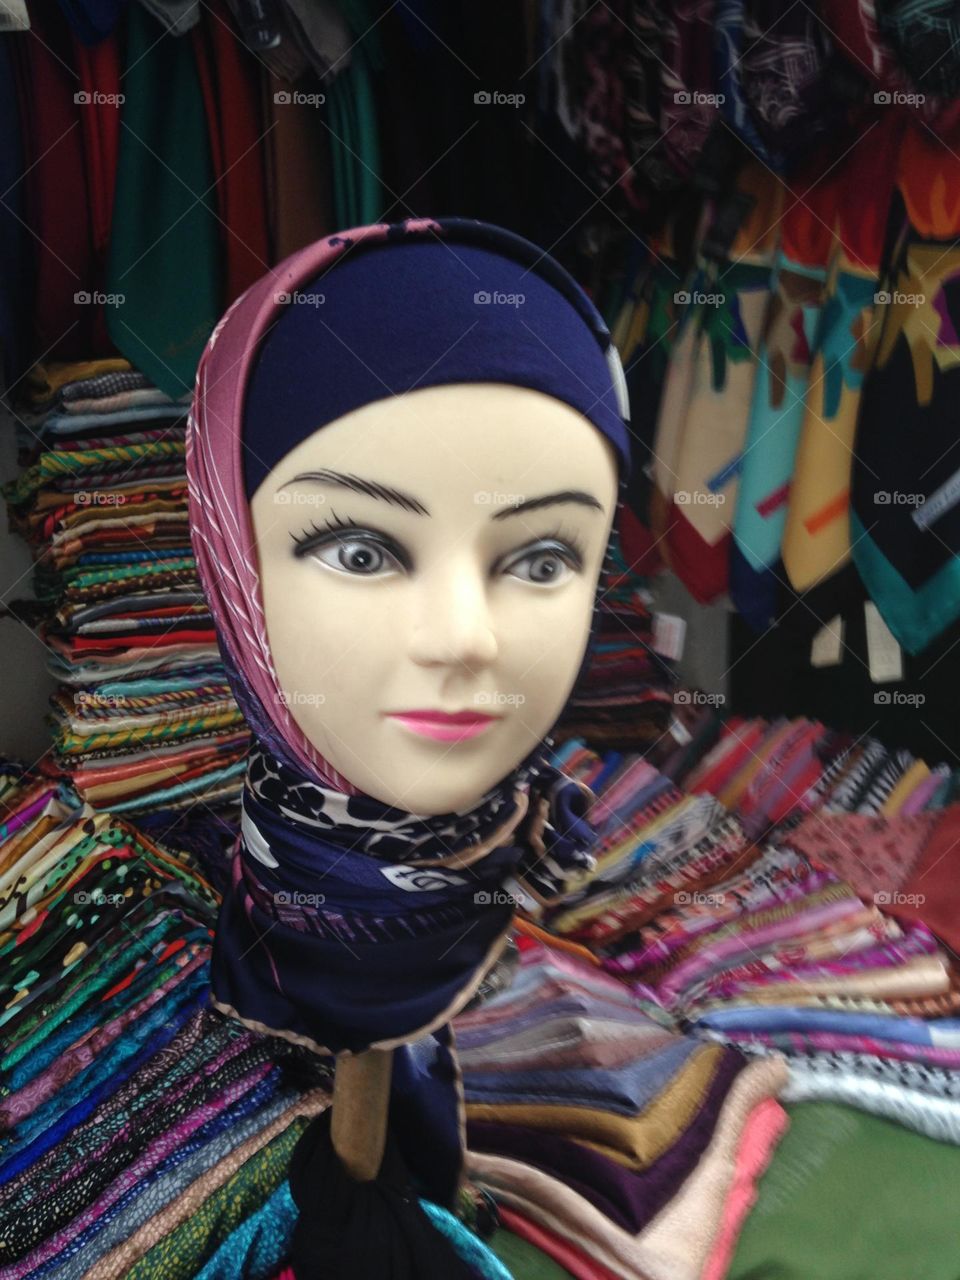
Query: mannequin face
[[453, 603]]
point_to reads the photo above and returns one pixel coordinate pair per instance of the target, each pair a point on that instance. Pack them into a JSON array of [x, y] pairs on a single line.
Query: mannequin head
[[454, 605], [459, 363]]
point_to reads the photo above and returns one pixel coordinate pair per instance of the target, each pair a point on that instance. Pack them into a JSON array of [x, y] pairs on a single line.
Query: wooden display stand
[[361, 1100]]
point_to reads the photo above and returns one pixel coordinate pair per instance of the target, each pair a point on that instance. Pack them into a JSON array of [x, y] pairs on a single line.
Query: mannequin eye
[[348, 549], [360, 556], [551, 561]]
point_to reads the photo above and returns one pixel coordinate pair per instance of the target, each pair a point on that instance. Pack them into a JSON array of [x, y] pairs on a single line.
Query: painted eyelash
[[307, 537], [571, 539]]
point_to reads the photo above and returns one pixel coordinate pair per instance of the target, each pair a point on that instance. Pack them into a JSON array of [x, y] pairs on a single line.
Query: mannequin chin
[[445, 604]]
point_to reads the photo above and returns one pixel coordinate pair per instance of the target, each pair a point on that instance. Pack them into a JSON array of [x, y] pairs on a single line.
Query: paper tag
[[14, 16], [680, 732], [827, 647], [939, 503], [883, 652], [669, 634]]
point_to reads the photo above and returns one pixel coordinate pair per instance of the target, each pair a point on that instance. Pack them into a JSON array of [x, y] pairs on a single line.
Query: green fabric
[[44, 1021], [337, 154], [523, 1259], [355, 145], [915, 615], [849, 1196], [183, 1252], [367, 140], [165, 254]]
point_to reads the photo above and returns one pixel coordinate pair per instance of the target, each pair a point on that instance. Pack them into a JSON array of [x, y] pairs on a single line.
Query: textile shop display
[[141, 1132], [721, 1028], [806, 424], [593, 1119], [797, 896], [144, 719], [631, 1067], [144, 1134]]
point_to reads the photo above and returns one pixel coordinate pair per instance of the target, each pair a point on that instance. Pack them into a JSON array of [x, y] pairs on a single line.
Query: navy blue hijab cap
[[475, 303]]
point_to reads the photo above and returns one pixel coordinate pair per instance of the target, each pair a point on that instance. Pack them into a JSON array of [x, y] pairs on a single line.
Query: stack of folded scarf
[[141, 1132], [830, 937], [144, 719], [118, 1087], [625, 700], [611, 1140]]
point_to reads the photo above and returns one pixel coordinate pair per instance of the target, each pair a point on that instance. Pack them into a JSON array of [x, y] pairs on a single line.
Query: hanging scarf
[[817, 537], [906, 518], [349, 924], [728, 306], [777, 407]]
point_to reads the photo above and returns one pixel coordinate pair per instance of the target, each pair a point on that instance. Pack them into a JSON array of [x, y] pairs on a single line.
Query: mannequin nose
[[455, 626]]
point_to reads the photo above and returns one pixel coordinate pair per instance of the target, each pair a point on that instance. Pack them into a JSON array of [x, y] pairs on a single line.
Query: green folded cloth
[[850, 1196]]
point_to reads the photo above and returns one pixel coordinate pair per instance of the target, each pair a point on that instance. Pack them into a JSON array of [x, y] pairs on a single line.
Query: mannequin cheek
[[545, 667], [315, 624]]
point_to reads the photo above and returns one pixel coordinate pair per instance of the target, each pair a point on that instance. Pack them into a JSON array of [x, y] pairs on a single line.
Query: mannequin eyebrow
[[384, 493]]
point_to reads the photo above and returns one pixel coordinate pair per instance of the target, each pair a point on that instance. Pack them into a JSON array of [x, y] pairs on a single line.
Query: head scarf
[[443, 314], [349, 924]]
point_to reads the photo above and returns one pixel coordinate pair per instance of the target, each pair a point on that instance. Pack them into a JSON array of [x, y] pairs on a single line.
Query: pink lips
[[444, 727]]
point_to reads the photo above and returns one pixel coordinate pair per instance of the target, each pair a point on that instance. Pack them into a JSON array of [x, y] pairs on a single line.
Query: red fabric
[[98, 67], [856, 32], [747, 740], [755, 798], [230, 83], [640, 549], [84, 644], [935, 883], [167, 611], [144, 764], [165, 534], [181, 775], [567, 1255], [929, 182], [703, 569], [64, 260]]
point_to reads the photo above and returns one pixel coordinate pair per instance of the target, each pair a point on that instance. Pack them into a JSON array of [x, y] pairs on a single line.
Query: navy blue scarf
[[349, 925]]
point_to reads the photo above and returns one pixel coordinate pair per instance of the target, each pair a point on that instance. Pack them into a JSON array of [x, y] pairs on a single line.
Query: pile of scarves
[[143, 719], [131, 1117], [625, 699], [617, 1144], [141, 1132], [797, 895], [792, 375], [644, 1073], [650, 98]]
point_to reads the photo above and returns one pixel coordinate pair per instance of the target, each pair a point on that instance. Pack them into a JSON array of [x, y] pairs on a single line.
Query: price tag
[[827, 648], [669, 635], [883, 653]]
